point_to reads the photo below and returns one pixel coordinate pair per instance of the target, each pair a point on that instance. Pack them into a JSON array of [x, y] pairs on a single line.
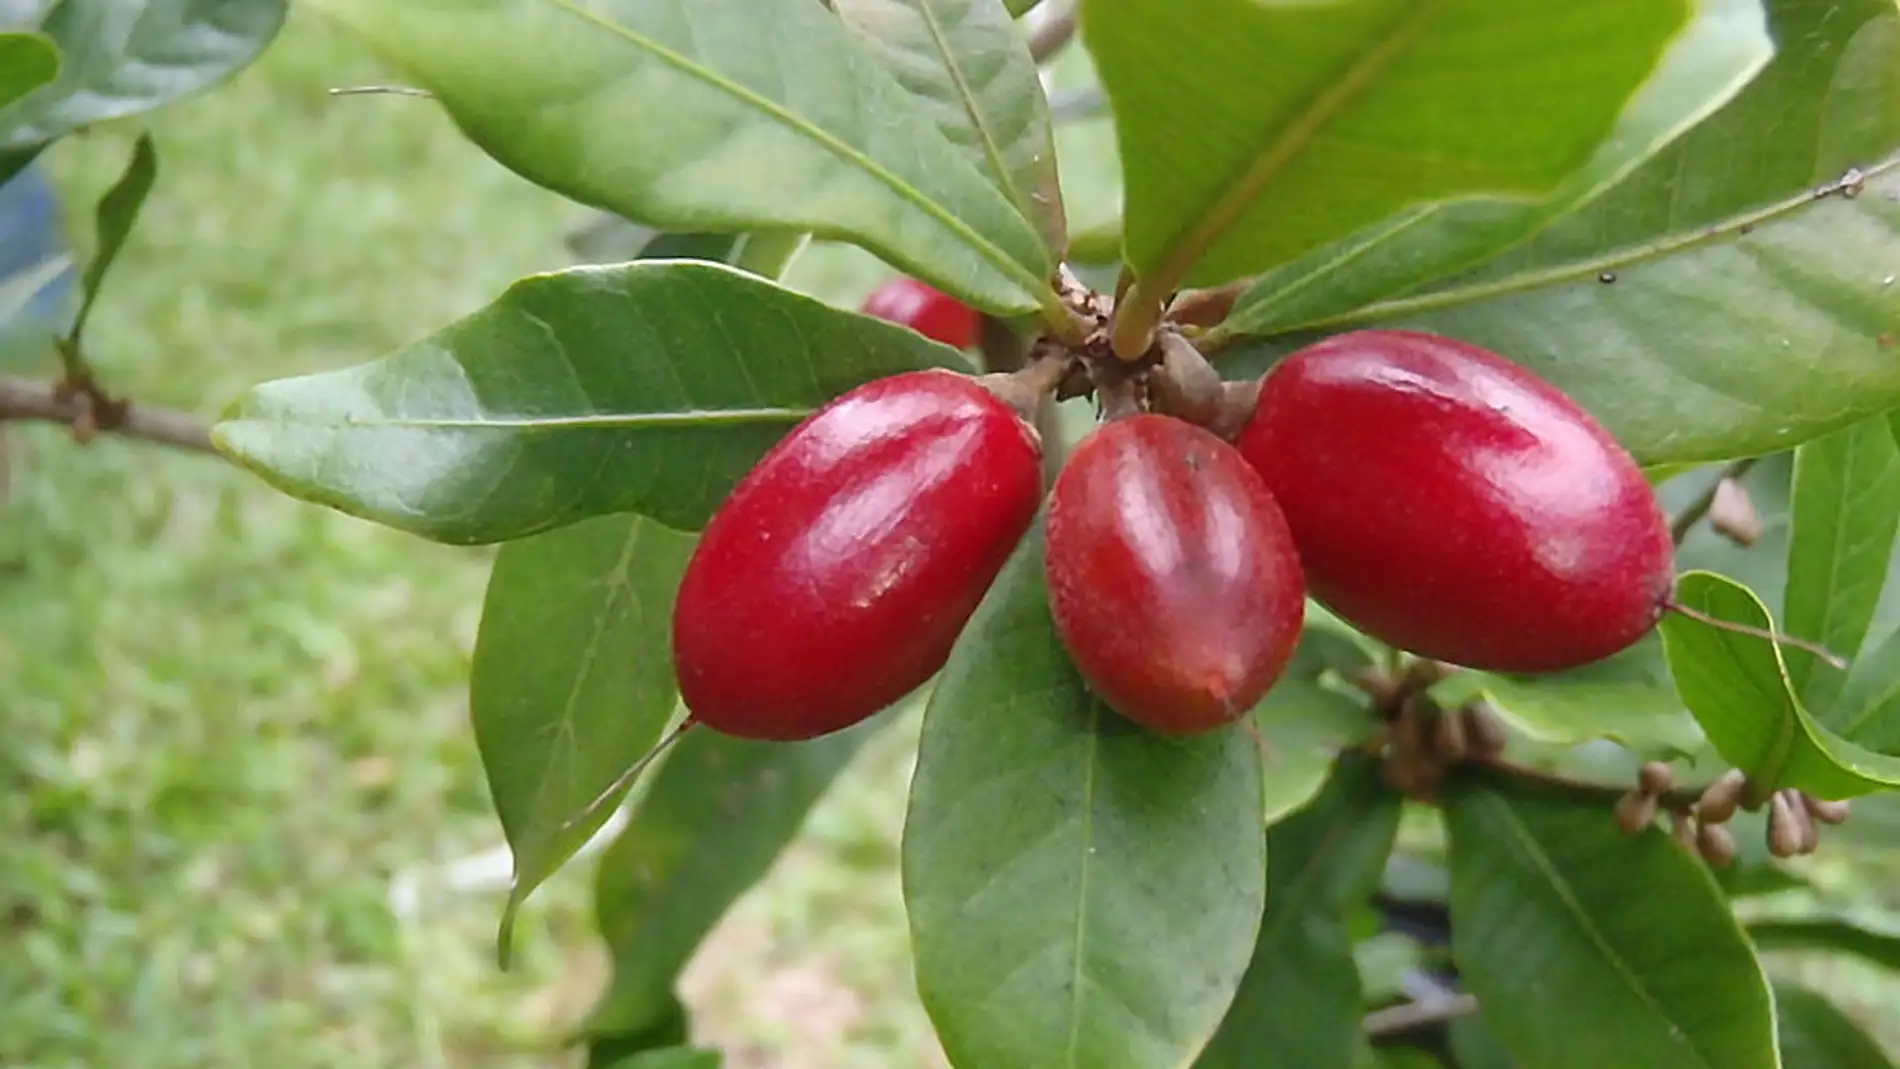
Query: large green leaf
[[1737, 686], [1589, 947], [1876, 943], [648, 387], [715, 115], [1846, 510], [672, 1058], [968, 64], [1815, 1034], [1299, 1003], [1726, 44], [1252, 132], [123, 57], [709, 826], [27, 61], [1083, 893], [572, 680], [1680, 307]]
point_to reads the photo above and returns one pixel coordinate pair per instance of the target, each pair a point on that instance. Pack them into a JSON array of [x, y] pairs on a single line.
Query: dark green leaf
[[27, 61], [1252, 133], [1726, 44], [648, 387], [1738, 689], [709, 826], [117, 213], [1873, 942], [1299, 1003], [572, 680], [1475, 1046], [1591, 948], [674, 1058], [968, 65], [123, 57], [1019, 8], [1730, 277], [1083, 893], [1815, 1034], [669, 1028], [715, 115]]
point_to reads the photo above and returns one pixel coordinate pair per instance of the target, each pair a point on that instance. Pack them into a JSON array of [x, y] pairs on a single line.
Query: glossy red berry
[[1172, 576], [928, 311], [838, 574], [1449, 502]]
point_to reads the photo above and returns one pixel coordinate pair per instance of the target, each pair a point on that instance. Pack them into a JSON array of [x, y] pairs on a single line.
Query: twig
[[1686, 519], [1679, 798], [25, 399], [1054, 30], [1411, 1016]]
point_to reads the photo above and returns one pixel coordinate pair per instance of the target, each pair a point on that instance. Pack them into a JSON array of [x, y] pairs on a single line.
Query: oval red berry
[[1448, 502], [838, 574], [1172, 576], [927, 310]]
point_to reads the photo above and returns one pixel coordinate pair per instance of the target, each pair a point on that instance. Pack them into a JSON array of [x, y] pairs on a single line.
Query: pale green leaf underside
[[714, 115], [648, 387]]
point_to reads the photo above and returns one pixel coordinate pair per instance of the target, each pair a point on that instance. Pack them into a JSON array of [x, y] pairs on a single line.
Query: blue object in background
[[38, 280]]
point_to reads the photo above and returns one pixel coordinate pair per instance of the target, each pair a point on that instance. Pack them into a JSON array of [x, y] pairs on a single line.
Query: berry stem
[[1778, 639], [623, 782]]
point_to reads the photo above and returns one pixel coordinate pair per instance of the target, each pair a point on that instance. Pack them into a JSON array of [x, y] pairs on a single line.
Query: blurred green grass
[[229, 719]]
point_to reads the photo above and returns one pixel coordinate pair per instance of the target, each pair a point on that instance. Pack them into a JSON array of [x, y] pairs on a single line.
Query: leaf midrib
[[996, 257], [1006, 181]]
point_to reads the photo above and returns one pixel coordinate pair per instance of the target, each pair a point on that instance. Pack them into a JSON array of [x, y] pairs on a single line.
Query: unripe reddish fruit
[[838, 574], [1450, 503], [1172, 576], [928, 311]]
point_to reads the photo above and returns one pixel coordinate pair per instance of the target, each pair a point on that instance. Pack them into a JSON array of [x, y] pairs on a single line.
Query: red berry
[[1172, 576], [930, 312], [838, 574], [1451, 503]]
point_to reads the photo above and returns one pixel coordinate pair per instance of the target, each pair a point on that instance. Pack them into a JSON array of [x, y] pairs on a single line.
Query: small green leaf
[[1875, 943], [1252, 133], [709, 826], [1083, 893], [124, 57], [1737, 687], [1846, 510], [1300, 1003], [1867, 711], [1591, 948], [648, 387], [27, 61], [667, 1026], [674, 1058], [1815, 1034], [1308, 721], [1725, 44], [715, 115], [1628, 698], [117, 213], [969, 67], [572, 679]]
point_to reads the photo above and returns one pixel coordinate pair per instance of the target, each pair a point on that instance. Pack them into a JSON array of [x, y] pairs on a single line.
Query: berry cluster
[[1438, 497]]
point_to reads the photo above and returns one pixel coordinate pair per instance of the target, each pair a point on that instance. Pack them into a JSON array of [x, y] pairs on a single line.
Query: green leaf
[[968, 66], [1300, 1003], [1815, 1034], [1867, 710], [1628, 698], [666, 1027], [1474, 1045], [1252, 133], [1846, 510], [674, 1058], [27, 61], [124, 57], [1737, 686], [708, 827], [715, 115], [1590, 948], [1307, 721], [572, 680], [1732, 278], [118, 212], [1083, 893], [1725, 44], [648, 387], [1878, 944]]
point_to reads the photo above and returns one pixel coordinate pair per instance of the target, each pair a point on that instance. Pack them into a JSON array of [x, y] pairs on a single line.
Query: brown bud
[[1185, 385], [1785, 816], [1237, 402], [1656, 778], [1485, 732], [1635, 811], [1732, 513], [1205, 308], [1408, 735], [1716, 844], [1827, 812], [1448, 736], [1721, 797]]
